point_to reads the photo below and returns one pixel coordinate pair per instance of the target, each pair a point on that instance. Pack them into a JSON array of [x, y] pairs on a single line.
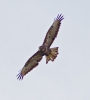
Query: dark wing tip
[[60, 17], [20, 76]]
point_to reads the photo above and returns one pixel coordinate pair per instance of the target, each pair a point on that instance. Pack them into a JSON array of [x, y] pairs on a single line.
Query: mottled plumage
[[44, 49]]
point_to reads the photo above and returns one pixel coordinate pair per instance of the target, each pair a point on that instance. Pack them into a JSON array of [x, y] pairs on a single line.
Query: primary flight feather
[[44, 49]]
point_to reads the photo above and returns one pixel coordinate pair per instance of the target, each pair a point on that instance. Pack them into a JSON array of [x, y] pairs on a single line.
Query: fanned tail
[[53, 54]]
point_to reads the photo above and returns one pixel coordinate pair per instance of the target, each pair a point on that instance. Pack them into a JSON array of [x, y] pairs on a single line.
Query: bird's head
[[42, 49]]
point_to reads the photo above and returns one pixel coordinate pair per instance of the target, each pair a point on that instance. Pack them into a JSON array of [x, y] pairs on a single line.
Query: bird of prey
[[44, 49]]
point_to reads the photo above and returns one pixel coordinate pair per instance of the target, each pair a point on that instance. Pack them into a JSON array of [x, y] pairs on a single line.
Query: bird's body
[[44, 49]]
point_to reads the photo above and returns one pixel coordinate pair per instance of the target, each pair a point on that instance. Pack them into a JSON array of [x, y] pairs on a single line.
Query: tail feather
[[53, 54]]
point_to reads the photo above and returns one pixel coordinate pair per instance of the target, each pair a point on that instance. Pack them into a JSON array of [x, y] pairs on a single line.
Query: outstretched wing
[[30, 64], [53, 31]]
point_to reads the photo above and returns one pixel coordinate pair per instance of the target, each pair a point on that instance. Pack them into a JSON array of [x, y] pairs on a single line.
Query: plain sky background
[[23, 26]]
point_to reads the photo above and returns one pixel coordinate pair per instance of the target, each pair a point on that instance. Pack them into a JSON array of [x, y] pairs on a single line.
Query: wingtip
[[19, 76], [59, 17]]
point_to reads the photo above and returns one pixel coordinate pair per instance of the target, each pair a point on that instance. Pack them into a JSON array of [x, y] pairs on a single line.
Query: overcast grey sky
[[23, 26]]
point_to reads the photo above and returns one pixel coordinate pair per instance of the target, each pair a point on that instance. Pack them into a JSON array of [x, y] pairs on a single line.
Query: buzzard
[[44, 49]]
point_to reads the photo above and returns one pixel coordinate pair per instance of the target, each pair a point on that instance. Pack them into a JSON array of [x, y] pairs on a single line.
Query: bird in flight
[[44, 49]]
